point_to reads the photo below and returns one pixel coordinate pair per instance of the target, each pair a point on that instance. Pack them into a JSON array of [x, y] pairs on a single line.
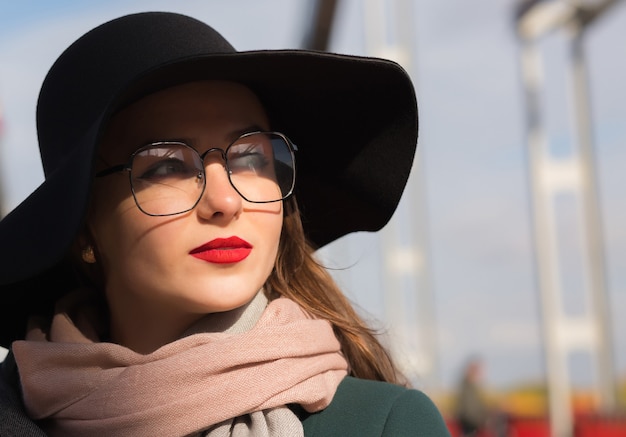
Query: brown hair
[[298, 276]]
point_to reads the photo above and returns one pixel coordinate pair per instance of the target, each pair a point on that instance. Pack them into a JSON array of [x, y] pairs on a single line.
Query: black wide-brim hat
[[353, 119]]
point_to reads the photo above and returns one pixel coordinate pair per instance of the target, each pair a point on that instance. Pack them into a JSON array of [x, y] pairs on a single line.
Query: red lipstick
[[223, 250]]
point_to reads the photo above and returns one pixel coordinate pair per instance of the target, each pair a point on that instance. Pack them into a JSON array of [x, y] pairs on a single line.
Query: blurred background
[[509, 244]]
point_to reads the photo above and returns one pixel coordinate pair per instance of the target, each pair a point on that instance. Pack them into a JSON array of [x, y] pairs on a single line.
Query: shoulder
[[373, 408], [14, 421]]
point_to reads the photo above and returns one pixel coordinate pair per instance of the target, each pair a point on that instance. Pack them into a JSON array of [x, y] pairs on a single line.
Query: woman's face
[[155, 284]]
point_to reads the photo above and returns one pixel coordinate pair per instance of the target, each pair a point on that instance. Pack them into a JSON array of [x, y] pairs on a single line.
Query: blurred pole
[[320, 24], [591, 211], [559, 392], [409, 300]]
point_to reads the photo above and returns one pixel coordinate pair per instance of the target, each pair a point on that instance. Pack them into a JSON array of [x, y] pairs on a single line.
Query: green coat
[[371, 408]]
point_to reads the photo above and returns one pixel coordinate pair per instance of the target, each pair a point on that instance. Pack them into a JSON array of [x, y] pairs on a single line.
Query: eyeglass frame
[[128, 166]]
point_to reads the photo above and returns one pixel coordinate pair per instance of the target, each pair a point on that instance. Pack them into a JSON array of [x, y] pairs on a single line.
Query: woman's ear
[[84, 255], [86, 247], [88, 255]]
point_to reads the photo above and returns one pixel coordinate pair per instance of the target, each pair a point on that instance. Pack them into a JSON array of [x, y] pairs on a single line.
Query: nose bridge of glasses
[[211, 152]]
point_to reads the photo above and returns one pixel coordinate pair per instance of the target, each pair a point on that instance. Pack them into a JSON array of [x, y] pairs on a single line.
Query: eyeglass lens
[[169, 178]]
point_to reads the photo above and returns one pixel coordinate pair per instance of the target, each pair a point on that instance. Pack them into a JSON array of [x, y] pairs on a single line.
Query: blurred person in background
[[471, 410]]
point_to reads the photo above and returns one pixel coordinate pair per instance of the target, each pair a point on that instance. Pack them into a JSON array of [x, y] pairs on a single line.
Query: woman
[[162, 280]]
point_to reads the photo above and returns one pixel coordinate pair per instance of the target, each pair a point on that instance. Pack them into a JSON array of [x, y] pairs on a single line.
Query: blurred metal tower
[[574, 175], [409, 303], [410, 307]]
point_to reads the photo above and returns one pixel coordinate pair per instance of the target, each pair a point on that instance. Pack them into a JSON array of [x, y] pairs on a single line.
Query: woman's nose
[[220, 199]]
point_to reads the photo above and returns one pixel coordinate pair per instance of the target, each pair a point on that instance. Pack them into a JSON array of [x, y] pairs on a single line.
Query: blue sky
[[464, 59]]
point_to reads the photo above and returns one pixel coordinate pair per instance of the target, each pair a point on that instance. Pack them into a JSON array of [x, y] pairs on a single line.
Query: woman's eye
[[248, 162], [247, 157]]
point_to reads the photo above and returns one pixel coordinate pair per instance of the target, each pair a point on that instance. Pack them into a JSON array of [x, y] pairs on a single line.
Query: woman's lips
[[223, 250]]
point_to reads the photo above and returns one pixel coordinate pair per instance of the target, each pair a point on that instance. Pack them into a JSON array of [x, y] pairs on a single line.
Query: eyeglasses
[[168, 177]]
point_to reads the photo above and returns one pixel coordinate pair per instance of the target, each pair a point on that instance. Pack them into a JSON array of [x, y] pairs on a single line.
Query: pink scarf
[[88, 387]]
